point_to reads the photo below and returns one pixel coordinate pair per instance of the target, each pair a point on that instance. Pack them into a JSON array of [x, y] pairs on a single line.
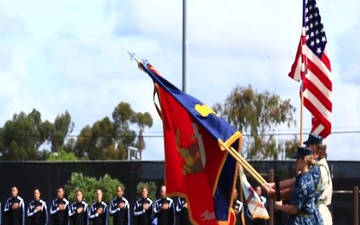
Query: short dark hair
[[60, 187], [14, 187]]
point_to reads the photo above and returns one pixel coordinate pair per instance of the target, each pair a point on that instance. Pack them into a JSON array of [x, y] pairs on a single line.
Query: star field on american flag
[[315, 33]]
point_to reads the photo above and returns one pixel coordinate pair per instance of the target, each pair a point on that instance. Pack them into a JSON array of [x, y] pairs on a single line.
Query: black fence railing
[[48, 175]]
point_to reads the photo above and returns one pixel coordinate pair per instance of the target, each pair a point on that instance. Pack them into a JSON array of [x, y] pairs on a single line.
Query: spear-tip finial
[[132, 57]]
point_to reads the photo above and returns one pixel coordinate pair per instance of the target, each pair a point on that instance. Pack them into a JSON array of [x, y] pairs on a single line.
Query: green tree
[[61, 156], [88, 186], [110, 139], [151, 187], [143, 120], [97, 142], [123, 116], [290, 147], [63, 127], [46, 130], [44, 155], [102, 138], [258, 115], [20, 137], [70, 145], [83, 142]]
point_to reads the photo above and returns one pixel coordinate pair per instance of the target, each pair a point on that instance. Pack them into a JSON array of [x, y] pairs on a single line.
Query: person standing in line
[[182, 214], [79, 210], [99, 210], [37, 210], [238, 207], [59, 209], [164, 209], [143, 208], [120, 208], [14, 209]]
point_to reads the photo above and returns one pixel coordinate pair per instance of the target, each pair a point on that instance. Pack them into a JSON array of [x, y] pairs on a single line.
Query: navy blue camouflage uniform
[[303, 197]]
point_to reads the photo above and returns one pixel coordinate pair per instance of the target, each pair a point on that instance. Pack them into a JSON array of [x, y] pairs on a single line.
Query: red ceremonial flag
[[195, 166], [312, 66]]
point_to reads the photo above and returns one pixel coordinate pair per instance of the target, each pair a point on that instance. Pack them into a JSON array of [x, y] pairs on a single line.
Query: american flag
[[312, 67]]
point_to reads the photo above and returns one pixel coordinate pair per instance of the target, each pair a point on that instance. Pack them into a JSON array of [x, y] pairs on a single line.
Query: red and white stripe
[[315, 74]]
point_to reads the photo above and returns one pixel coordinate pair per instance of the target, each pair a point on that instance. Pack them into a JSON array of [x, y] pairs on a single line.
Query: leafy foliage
[[142, 120], [23, 137], [61, 156], [88, 186], [63, 126], [257, 115], [108, 139]]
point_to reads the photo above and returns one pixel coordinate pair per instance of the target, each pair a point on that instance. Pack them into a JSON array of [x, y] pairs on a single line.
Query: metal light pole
[[184, 47]]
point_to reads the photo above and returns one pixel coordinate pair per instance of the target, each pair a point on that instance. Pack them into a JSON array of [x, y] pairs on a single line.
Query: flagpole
[[184, 47], [303, 73], [242, 201], [301, 113], [242, 218]]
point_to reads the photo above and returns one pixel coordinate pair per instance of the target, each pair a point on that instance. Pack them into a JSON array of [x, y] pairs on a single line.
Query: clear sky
[[72, 55]]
